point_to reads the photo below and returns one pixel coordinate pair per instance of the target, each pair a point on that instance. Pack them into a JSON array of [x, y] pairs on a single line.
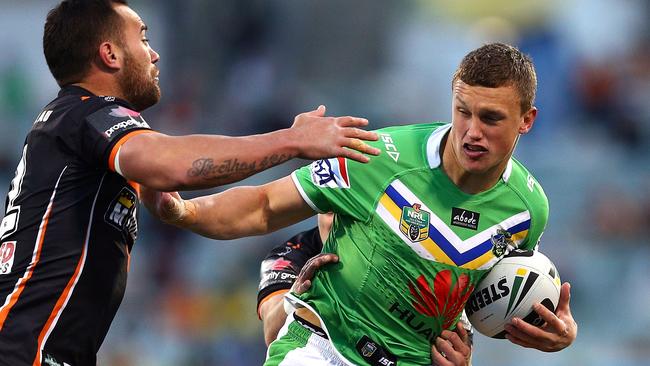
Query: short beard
[[137, 85]]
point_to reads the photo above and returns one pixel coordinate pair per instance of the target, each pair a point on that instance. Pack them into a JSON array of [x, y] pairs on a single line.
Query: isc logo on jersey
[[331, 173]]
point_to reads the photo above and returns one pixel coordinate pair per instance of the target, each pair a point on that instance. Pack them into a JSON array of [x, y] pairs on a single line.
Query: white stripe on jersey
[[81, 269]]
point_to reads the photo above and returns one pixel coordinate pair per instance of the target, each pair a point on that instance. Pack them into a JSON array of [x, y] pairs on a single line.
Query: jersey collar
[[74, 90], [433, 150]]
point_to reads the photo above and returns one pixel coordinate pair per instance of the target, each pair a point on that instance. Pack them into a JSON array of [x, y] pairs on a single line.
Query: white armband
[[116, 162]]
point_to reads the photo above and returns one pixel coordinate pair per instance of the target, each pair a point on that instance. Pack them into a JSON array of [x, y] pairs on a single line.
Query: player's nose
[[154, 56]]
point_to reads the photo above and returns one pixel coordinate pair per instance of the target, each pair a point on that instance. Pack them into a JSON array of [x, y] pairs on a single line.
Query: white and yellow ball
[[510, 289]]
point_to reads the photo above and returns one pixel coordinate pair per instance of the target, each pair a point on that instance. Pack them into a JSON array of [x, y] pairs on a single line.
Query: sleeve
[[539, 212], [283, 263], [103, 131], [343, 186]]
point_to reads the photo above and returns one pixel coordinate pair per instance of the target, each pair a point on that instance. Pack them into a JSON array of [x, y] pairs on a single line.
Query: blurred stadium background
[[248, 66]]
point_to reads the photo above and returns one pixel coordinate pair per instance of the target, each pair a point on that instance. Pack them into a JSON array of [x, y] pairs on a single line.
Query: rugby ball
[[511, 287]]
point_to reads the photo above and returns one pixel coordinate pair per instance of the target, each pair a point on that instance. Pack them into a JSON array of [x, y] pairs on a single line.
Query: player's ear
[[527, 121], [109, 56]]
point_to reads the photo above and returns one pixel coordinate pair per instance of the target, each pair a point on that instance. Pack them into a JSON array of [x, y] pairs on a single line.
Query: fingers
[[357, 133], [313, 264], [524, 330], [565, 299], [303, 282], [353, 155], [318, 112], [551, 319], [355, 150], [437, 358], [302, 286], [459, 347], [527, 335], [349, 121], [171, 207], [516, 340], [451, 348], [462, 333]]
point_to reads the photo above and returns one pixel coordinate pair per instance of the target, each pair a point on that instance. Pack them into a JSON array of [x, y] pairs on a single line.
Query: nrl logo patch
[[368, 349], [414, 223], [500, 242]]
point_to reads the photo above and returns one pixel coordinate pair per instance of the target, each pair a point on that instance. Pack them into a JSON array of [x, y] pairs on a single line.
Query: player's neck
[[101, 86], [468, 182]]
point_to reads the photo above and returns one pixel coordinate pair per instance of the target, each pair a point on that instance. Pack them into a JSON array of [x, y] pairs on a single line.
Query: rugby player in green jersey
[[291, 266], [415, 229]]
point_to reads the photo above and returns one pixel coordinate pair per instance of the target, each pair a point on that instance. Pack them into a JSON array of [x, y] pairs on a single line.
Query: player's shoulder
[[75, 106], [422, 130], [404, 146], [522, 181], [79, 103]]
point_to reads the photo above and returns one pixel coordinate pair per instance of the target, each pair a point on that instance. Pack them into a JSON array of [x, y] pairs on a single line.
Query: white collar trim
[[433, 151], [433, 145]]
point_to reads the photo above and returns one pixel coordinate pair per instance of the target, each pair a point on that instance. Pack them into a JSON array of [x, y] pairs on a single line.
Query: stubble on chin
[[138, 86]]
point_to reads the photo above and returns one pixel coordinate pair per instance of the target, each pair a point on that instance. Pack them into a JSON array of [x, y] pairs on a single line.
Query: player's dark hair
[[74, 29], [495, 65]]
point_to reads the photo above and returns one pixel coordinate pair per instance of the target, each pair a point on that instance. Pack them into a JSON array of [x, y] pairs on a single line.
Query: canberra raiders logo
[[414, 223], [500, 242]]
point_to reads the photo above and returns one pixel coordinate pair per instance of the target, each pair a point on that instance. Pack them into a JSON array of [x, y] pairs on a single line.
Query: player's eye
[[462, 111], [491, 117], [145, 41]]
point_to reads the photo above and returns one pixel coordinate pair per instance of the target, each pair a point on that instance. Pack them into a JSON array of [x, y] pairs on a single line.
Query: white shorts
[[298, 346]]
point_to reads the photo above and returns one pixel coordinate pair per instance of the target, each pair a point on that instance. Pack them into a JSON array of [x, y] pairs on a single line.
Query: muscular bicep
[[286, 205], [154, 160]]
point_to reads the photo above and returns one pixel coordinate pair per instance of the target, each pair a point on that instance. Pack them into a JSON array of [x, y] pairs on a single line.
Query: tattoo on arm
[[231, 169]]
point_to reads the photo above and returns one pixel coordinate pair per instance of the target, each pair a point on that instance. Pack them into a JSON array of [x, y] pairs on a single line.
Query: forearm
[[273, 316], [245, 211], [170, 163], [232, 214]]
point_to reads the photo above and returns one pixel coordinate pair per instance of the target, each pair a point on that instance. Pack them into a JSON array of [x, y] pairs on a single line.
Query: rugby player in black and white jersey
[[291, 266], [70, 220]]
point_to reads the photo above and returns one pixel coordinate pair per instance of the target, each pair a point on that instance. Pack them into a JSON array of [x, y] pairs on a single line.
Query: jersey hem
[[322, 324]]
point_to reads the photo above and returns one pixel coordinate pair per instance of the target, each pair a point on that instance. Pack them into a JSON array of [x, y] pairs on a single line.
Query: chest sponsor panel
[[429, 232]]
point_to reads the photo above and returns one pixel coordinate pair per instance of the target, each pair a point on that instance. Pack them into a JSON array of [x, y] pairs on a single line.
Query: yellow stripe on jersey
[[428, 244]]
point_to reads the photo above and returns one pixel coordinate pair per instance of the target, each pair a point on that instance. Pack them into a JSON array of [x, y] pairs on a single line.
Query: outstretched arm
[[170, 163], [234, 213]]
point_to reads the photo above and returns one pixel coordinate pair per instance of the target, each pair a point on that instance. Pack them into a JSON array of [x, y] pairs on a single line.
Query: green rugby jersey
[[412, 245]]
